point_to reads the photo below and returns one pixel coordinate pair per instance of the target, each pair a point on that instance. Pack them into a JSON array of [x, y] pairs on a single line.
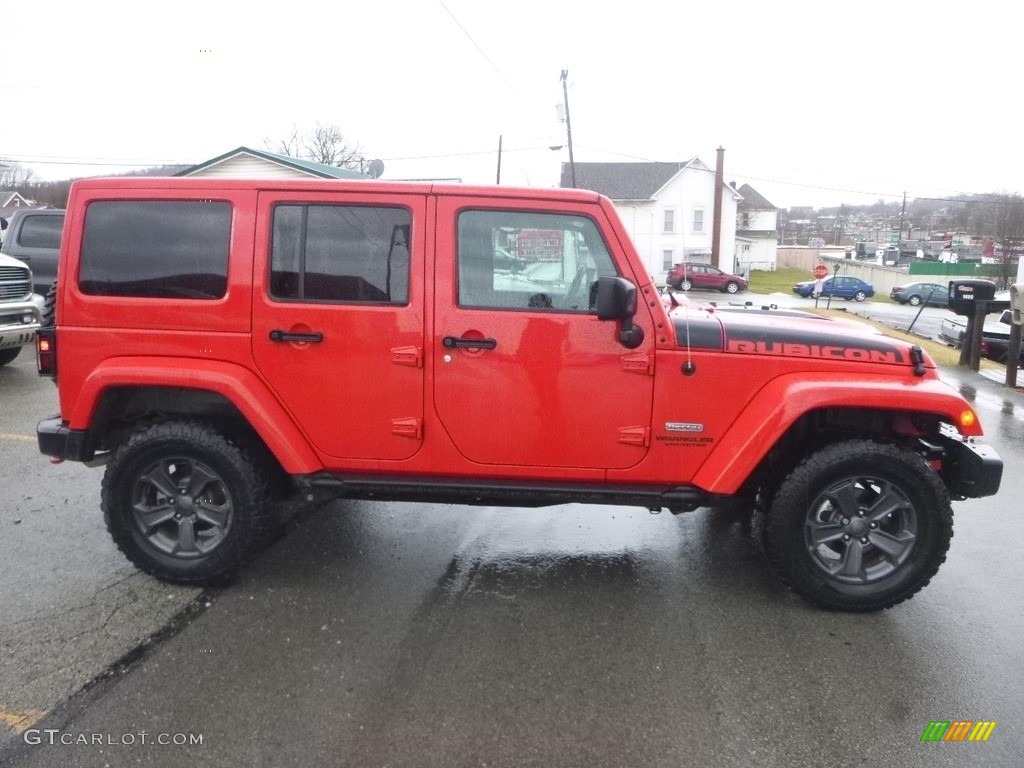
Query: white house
[[756, 232], [247, 163], [667, 208]]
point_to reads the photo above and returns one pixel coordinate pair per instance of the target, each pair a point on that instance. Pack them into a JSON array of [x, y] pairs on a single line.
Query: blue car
[[839, 286]]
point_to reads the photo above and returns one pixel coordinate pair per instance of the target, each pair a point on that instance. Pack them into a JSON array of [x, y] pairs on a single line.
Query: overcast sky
[[815, 103]]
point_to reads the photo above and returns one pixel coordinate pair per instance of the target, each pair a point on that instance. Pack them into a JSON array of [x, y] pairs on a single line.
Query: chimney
[[716, 227]]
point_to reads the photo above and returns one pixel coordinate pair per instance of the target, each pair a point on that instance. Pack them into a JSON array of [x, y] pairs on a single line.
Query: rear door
[[524, 372], [338, 317]]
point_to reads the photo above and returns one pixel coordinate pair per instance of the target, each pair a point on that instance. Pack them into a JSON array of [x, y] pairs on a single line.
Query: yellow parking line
[[9, 436], [20, 721]]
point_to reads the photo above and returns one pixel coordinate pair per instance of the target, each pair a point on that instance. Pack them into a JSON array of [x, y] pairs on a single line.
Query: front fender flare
[[781, 402]]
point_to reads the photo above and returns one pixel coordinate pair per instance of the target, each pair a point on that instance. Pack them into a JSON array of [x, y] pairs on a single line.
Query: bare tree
[[289, 144], [1006, 222], [14, 175], [325, 143]]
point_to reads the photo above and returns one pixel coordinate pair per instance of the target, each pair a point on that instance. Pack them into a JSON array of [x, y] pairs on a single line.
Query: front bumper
[[970, 469], [19, 322], [58, 441]]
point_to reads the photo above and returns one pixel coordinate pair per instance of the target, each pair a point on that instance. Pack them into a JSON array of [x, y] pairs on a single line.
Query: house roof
[[7, 200], [319, 170], [624, 181], [753, 200]]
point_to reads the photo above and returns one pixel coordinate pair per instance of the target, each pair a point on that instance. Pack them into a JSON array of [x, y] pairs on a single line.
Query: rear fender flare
[[236, 384]]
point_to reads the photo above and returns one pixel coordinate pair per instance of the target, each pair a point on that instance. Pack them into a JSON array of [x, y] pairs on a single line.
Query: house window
[[698, 221], [667, 259], [670, 220]]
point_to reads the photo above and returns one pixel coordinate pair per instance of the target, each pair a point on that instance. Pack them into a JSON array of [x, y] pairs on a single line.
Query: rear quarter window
[[41, 232], [156, 249]]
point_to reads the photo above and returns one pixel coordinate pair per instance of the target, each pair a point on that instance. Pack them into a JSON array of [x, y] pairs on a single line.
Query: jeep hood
[[787, 333]]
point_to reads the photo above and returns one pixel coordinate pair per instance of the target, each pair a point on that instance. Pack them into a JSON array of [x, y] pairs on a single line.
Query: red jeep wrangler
[[221, 343]]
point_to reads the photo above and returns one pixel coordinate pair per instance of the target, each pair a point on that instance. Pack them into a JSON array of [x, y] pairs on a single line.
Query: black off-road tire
[[49, 319], [859, 526], [188, 503], [9, 355]]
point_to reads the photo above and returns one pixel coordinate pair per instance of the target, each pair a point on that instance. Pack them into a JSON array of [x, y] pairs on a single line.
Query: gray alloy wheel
[[859, 525], [186, 502]]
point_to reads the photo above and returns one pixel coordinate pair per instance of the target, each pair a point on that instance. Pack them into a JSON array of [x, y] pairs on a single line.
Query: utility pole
[[568, 126], [899, 238], [498, 181]]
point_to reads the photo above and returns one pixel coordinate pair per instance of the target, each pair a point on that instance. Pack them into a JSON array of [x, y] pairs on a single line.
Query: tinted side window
[[158, 249], [344, 253], [41, 232], [538, 261]]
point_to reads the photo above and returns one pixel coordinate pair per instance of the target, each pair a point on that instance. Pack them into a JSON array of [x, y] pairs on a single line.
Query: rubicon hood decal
[[763, 333]]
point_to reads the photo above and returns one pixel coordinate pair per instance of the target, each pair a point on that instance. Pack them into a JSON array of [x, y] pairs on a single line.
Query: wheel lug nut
[[860, 513], [846, 537], [863, 539], [873, 525], [845, 521]]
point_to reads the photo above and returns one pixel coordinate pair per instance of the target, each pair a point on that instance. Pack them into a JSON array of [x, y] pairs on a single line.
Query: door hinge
[[411, 356], [412, 427], [639, 363], [635, 436]]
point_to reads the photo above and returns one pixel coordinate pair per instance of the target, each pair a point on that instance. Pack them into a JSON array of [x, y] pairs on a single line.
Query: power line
[[476, 45]]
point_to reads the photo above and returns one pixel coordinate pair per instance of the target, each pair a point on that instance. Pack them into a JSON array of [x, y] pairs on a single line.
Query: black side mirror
[[616, 300]]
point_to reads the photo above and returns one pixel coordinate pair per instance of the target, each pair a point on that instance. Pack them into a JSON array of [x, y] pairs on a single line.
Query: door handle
[[314, 337], [450, 342]]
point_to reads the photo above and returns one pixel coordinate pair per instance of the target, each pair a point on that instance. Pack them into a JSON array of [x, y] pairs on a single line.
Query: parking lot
[[410, 635]]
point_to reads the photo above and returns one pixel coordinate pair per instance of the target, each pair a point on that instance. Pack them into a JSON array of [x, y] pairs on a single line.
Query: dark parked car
[[915, 294], [839, 286], [686, 275]]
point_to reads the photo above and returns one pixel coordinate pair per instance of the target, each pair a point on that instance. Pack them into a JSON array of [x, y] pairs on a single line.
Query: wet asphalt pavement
[[377, 634]]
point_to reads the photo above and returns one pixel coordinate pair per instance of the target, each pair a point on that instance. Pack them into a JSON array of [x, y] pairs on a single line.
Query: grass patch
[[780, 281]]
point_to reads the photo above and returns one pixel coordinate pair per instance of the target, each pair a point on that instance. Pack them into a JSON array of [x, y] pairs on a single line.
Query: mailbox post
[[1016, 320], [971, 298]]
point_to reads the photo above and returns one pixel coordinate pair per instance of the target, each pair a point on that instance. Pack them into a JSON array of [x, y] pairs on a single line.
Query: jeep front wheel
[[186, 503], [859, 526]]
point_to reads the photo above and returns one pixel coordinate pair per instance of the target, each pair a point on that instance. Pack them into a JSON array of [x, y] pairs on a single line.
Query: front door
[[524, 372], [338, 317]]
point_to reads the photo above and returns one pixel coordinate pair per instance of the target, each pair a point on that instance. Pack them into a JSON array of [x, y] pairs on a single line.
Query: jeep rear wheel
[[8, 355], [859, 526], [186, 503]]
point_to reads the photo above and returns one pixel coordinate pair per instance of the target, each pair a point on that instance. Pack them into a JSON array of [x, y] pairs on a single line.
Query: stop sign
[[821, 272]]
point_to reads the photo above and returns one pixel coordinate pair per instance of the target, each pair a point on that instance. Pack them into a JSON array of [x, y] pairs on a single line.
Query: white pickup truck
[[20, 309]]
